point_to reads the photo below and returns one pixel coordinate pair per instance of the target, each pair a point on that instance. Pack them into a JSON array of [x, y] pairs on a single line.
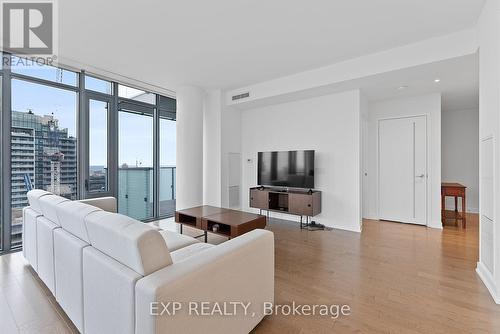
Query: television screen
[[294, 169]]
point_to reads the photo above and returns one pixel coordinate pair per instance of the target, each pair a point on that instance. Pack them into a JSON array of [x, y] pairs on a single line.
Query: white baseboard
[[346, 228], [437, 225], [489, 282]]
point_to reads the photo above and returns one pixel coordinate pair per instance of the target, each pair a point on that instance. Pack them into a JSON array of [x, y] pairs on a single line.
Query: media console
[[295, 202]]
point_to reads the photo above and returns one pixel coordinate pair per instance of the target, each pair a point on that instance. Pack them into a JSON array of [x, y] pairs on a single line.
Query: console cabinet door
[[259, 199], [300, 204]]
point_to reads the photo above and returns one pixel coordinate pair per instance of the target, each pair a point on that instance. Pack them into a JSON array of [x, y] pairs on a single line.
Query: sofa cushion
[[176, 240], [30, 217], [103, 203], [33, 198], [191, 250], [45, 251], [134, 244], [71, 215], [48, 204], [68, 270], [108, 294]]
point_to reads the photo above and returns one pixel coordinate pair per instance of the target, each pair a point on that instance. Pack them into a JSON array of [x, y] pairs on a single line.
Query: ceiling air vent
[[241, 96]]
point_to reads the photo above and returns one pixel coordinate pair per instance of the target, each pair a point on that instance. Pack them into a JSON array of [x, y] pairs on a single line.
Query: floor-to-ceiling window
[[146, 138], [1, 155], [135, 156], [80, 136], [167, 133], [43, 137], [98, 145]]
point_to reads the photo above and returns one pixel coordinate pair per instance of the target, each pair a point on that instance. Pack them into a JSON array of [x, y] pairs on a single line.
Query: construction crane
[[56, 160]]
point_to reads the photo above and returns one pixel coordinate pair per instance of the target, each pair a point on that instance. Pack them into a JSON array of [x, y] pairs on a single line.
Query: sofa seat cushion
[[176, 240], [191, 250]]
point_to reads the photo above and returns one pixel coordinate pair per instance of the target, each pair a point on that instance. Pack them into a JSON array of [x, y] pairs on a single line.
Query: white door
[[403, 170]]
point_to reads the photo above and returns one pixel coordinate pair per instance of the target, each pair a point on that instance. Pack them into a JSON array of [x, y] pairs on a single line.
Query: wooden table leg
[[463, 211], [443, 197]]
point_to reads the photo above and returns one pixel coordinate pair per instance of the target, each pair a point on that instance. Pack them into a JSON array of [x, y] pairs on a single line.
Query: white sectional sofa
[[113, 274]]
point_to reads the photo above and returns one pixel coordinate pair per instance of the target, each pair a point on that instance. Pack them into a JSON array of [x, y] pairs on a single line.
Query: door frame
[[427, 165]]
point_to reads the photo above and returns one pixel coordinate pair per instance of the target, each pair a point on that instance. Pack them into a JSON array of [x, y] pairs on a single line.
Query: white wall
[[212, 108], [230, 143], [330, 125], [189, 172], [489, 106], [460, 154], [429, 105]]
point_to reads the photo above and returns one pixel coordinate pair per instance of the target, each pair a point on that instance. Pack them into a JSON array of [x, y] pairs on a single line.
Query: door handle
[[420, 176]]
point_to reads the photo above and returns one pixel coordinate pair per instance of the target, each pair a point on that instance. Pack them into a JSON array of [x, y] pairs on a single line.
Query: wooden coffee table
[[232, 223]]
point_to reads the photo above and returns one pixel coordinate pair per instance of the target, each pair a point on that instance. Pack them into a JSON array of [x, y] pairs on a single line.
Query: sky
[[135, 132]]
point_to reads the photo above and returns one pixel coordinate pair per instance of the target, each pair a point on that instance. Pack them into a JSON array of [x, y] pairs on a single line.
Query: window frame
[[83, 95]]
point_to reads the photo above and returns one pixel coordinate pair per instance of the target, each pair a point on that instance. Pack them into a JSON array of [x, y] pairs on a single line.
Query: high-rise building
[[43, 154], [22, 163]]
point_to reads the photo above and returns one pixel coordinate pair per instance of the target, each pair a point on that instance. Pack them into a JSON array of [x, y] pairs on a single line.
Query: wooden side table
[[453, 190]]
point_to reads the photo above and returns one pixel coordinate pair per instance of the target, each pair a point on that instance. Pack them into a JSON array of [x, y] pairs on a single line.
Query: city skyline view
[[134, 135], [45, 141]]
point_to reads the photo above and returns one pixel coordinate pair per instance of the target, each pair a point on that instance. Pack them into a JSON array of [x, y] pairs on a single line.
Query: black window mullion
[[6, 163]]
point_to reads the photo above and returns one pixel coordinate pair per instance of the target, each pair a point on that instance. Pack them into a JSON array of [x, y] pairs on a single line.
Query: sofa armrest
[[104, 203], [239, 270]]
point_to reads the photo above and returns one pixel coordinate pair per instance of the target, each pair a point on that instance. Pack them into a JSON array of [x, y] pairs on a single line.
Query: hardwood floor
[[396, 278]]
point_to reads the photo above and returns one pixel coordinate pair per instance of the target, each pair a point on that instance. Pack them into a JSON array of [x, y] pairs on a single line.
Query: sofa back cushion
[[34, 197], [130, 242], [48, 205], [105, 203], [71, 215]]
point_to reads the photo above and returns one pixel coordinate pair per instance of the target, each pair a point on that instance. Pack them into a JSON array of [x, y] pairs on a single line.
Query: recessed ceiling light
[[437, 80], [402, 87]]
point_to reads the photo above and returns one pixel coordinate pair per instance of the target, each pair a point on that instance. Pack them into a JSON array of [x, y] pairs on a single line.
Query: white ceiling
[[231, 43], [459, 83]]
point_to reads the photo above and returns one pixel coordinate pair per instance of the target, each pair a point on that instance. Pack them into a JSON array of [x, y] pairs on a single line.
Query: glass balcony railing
[[135, 191]]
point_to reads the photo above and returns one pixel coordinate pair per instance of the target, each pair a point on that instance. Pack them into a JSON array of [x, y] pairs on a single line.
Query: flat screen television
[[292, 169]]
